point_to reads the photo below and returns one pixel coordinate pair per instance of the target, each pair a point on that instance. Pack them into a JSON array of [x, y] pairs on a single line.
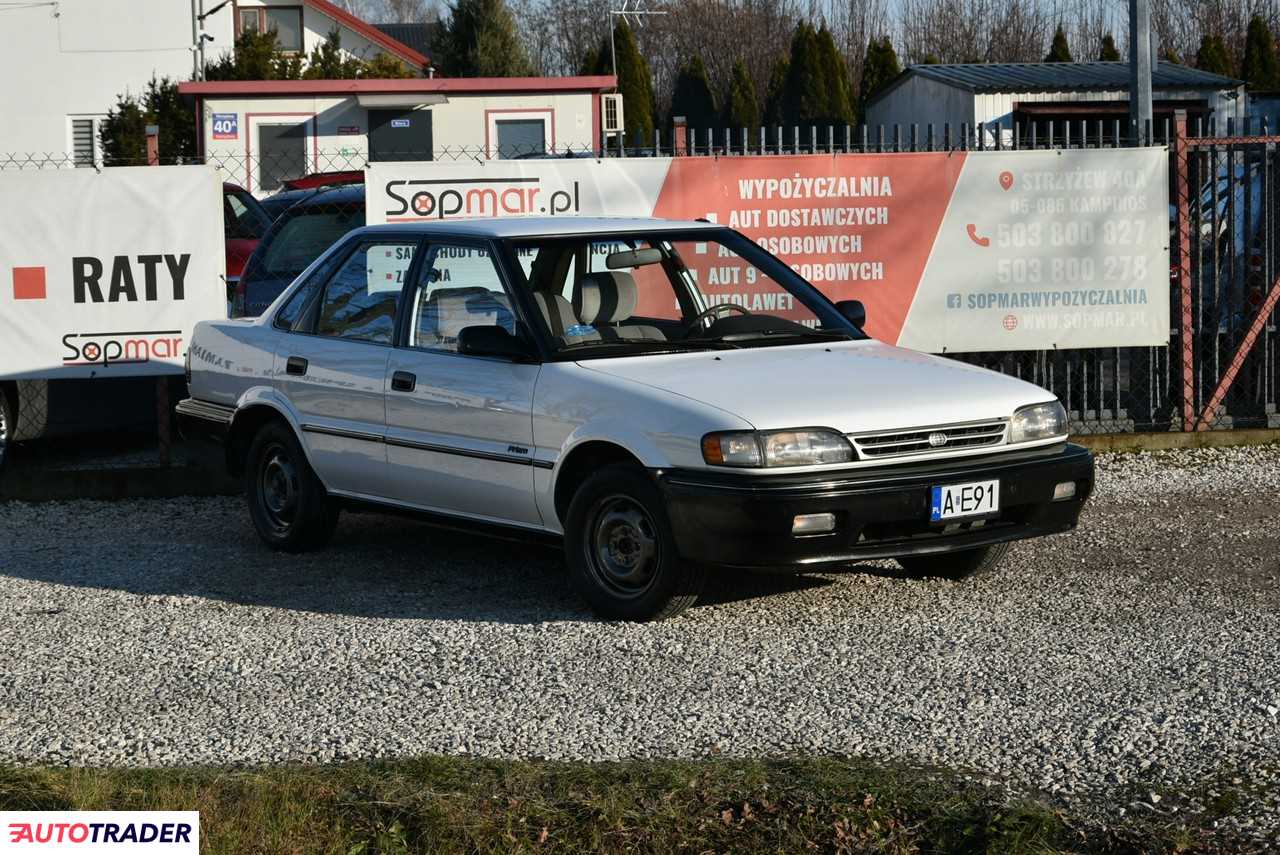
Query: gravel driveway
[[1136, 654]]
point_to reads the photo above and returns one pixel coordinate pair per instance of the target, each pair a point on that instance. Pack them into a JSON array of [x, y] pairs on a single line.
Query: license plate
[[965, 500]]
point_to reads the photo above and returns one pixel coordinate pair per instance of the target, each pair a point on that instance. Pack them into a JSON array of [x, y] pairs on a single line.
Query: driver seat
[[604, 299]]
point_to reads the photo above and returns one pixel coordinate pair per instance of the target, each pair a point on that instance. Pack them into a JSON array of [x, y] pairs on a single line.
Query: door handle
[[403, 381], [296, 366]]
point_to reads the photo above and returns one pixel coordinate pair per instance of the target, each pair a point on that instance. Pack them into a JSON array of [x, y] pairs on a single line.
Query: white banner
[[949, 251], [103, 274]]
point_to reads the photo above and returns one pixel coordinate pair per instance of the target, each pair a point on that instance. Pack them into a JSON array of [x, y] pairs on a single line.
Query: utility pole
[[1140, 62], [197, 45]]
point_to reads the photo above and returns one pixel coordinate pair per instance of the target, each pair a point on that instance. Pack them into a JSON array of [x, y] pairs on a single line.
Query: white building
[[263, 131], [1009, 95], [64, 62]]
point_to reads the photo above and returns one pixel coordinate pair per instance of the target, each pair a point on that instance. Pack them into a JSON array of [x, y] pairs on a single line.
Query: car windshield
[[605, 295], [300, 239]]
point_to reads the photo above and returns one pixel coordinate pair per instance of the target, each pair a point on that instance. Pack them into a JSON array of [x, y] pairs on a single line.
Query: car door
[[332, 367], [459, 427]]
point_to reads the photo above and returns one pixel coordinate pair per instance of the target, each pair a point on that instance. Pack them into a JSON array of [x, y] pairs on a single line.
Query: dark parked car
[[244, 222], [297, 189], [296, 239]]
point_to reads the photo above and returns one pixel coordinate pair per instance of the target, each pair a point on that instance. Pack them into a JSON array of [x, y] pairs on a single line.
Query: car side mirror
[[854, 312], [493, 340]]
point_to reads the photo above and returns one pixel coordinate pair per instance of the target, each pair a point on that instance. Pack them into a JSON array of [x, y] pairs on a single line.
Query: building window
[[286, 21], [521, 137], [282, 154], [84, 141]]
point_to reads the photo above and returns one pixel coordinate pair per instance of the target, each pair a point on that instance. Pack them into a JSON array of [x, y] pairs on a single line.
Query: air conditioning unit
[[611, 113]]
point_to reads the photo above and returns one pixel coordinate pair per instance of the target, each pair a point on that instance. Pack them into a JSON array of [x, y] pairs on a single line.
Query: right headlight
[[800, 447], [1038, 421]]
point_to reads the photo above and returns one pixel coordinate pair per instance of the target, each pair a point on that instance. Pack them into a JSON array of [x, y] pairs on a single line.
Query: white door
[[459, 432], [332, 366]]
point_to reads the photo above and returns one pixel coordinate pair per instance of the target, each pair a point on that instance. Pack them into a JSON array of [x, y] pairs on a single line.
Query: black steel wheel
[[621, 550], [8, 421], [287, 502]]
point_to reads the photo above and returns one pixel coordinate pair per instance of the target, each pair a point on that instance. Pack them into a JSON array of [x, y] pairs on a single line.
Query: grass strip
[[440, 804]]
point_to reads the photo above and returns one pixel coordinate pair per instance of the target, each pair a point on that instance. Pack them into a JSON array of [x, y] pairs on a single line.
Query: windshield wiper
[[761, 335], [652, 346]]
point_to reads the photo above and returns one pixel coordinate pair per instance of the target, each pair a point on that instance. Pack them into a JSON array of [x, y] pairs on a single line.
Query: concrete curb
[[1179, 439], [30, 484]]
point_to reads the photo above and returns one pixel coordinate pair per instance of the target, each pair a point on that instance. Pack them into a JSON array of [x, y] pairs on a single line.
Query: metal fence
[[1222, 367]]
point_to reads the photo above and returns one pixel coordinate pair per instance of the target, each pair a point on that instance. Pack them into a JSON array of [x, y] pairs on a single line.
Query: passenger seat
[[603, 300]]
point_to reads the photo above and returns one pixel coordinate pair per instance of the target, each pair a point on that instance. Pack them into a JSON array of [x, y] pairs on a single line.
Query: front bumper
[[736, 520]]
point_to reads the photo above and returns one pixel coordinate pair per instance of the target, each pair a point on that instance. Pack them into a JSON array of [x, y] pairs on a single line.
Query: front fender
[[653, 451]]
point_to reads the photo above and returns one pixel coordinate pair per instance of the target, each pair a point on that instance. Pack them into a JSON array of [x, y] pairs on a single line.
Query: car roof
[[341, 195], [519, 227]]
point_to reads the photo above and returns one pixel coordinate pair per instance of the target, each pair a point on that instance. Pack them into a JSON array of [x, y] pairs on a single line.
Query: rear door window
[[361, 298]]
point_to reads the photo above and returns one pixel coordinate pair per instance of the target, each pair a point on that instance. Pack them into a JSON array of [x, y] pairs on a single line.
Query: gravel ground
[[1111, 666]]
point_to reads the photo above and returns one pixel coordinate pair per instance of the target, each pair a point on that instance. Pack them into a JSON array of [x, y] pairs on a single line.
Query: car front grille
[[934, 440]]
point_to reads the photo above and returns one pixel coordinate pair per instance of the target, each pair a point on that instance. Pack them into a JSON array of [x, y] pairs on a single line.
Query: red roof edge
[[369, 31], [460, 85]]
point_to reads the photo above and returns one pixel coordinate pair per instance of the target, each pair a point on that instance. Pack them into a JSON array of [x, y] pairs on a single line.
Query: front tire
[[287, 503], [621, 550], [955, 565]]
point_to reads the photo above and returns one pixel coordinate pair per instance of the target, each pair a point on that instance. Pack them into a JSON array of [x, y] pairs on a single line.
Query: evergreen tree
[[1108, 52], [1058, 50], [692, 96], [879, 68], [741, 106], [1170, 55], [328, 62], [804, 92], [839, 87], [931, 59], [256, 57], [595, 61], [774, 94], [123, 134], [384, 66], [1212, 56], [481, 40], [635, 82], [1260, 70]]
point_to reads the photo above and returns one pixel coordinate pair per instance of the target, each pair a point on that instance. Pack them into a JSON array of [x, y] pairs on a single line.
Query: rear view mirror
[[632, 258], [854, 312], [493, 340]]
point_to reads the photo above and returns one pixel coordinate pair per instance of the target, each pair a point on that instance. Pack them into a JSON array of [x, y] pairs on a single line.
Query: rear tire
[[8, 420], [621, 550], [287, 503], [955, 565]]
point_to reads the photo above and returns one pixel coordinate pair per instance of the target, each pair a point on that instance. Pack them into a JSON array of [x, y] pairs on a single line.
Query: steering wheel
[[710, 312]]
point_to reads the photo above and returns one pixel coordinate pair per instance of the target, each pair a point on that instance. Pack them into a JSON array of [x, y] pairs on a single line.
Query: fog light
[[813, 523], [1065, 490]]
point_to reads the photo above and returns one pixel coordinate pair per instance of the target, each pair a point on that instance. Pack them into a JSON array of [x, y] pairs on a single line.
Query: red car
[[245, 221]]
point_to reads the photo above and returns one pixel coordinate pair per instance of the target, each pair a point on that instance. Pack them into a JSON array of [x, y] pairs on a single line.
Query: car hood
[[854, 387]]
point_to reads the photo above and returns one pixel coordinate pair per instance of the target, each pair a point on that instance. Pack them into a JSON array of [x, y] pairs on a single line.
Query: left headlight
[[1038, 421], [776, 448]]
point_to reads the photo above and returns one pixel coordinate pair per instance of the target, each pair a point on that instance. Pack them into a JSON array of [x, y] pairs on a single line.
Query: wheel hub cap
[[278, 488], [624, 548]]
